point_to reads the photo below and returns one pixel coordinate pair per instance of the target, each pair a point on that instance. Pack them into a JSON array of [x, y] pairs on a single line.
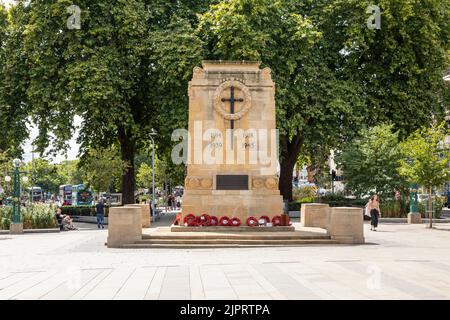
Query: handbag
[[366, 211]]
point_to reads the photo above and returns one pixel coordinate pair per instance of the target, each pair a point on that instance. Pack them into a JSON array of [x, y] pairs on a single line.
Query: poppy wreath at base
[[235, 222], [252, 222], [190, 220], [203, 220], [265, 218], [224, 221], [276, 221], [213, 221]]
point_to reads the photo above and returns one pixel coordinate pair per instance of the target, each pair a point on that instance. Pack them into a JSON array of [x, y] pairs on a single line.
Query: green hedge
[[84, 211], [296, 205]]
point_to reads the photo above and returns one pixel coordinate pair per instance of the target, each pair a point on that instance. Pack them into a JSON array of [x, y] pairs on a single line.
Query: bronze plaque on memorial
[[232, 182]]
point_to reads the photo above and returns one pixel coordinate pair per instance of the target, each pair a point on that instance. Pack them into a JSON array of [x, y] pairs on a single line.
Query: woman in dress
[[374, 209]]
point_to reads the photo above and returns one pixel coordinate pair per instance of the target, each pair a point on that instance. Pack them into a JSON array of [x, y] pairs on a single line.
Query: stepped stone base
[[231, 229], [165, 238]]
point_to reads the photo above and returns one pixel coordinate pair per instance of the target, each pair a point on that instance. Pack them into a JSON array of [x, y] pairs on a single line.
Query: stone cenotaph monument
[[232, 157]]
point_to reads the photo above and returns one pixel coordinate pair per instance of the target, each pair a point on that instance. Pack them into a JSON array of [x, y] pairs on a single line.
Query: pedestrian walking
[[100, 210], [374, 208]]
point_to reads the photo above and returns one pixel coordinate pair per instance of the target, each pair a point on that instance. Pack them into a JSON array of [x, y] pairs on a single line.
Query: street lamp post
[[153, 133], [16, 223], [413, 215]]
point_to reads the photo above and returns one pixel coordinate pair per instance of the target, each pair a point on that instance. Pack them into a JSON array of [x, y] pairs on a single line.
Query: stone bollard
[[16, 228], [414, 218], [315, 215], [124, 226], [347, 225], [145, 212]]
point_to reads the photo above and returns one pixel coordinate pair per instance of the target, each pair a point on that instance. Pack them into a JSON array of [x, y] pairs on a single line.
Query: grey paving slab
[[111, 285], [27, 283], [398, 262], [136, 287], [176, 284], [215, 283], [154, 290], [72, 285], [291, 288]]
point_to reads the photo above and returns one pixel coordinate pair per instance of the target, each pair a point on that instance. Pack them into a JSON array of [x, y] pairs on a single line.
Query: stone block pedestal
[[347, 225], [315, 215], [16, 228], [124, 226], [414, 218], [145, 212]]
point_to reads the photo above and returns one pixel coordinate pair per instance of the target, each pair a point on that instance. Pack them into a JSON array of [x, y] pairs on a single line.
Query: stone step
[[233, 242], [232, 229], [227, 245], [235, 236]]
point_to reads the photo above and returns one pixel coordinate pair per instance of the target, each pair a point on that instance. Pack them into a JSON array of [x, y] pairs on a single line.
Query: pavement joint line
[[150, 283], [93, 288], [344, 260], [411, 260], [270, 262], [81, 288], [123, 284], [162, 285], [229, 282], [27, 288]]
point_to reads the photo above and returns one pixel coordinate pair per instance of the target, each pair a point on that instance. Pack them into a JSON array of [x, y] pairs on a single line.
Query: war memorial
[[231, 190]]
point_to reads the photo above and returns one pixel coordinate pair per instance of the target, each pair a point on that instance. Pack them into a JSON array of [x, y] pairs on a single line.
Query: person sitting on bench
[[64, 221]]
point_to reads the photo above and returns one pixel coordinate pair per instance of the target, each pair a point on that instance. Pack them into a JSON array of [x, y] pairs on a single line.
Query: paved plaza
[[397, 262]]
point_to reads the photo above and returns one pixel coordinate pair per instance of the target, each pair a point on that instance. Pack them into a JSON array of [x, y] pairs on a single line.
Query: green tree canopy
[[42, 173], [165, 172], [13, 80], [370, 163], [401, 65], [102, 168], [426, 158], [70, 172], [333, 73], [124, 72]]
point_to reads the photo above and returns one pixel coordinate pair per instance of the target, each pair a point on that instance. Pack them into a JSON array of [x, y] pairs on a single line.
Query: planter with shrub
[[37, 216]]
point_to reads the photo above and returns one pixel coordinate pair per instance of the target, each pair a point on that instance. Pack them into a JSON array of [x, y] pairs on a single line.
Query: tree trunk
[[127, 149], [290, 151], [286, 180]]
